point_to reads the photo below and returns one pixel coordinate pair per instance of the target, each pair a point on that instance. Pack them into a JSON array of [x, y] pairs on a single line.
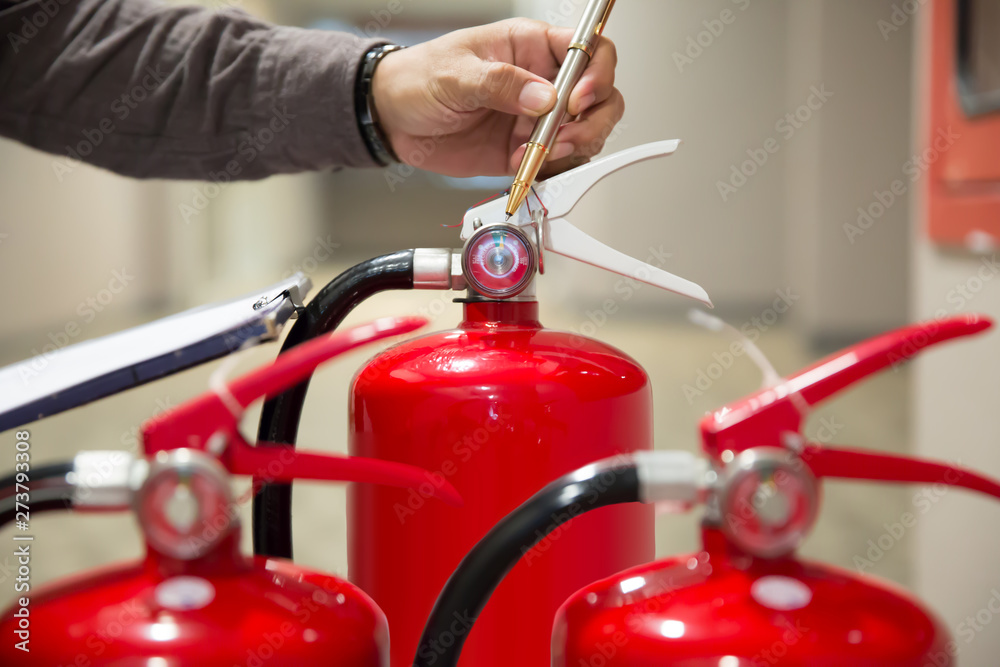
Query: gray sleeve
[[158, 91]]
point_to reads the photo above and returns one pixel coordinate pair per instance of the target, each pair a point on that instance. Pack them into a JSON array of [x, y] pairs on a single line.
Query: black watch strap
[[364, 105]]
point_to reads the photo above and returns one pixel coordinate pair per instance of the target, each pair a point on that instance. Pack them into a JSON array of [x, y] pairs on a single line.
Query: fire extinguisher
[[472, 404], [746, 599], [195, 599]]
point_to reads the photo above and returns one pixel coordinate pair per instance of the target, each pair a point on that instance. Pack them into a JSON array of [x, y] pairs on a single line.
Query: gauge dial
[[499, 261]]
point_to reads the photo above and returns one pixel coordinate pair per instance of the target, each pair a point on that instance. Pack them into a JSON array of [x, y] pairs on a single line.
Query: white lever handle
[[563, 238], [561, 193], [558, 195]]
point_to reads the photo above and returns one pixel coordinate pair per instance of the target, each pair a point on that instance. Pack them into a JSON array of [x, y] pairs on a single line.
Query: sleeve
[[150, 90]]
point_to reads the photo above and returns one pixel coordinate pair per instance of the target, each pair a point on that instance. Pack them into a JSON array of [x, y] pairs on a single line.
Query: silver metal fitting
[[457, 274], [105, 480], [672, 477], [185, 505], [768, 500], [435, 268]]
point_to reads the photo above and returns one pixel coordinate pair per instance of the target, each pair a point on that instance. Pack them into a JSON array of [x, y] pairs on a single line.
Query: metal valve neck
[[492, 312]]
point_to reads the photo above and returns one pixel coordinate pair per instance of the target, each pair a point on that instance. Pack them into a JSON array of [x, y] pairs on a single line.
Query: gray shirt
[[157, 91]]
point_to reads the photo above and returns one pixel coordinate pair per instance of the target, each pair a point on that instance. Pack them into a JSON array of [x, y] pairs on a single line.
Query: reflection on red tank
[[720, 608], [227, 609]]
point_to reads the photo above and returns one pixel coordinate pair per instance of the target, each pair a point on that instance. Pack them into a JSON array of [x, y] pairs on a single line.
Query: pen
[[581, 49]]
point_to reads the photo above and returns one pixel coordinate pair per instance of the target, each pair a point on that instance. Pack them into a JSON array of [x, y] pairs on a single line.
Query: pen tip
[[507, 219]]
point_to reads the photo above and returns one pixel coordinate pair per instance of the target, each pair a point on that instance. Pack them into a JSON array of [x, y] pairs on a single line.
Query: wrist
[[370, 103]]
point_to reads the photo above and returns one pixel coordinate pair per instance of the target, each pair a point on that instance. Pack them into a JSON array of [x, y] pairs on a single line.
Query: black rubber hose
[[279, 419], [470, 586], [36, 474], [47, 487]]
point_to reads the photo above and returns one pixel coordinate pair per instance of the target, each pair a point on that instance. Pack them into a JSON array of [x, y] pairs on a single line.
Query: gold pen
[[581, 49]]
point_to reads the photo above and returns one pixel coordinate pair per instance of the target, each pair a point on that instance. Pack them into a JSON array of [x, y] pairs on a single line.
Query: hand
[[465, 104]]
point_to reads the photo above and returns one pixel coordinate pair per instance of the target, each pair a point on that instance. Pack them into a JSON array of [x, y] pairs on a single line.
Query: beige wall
[[784, 228], [853, 146], [725, 100], [66, 234], [955, 418]]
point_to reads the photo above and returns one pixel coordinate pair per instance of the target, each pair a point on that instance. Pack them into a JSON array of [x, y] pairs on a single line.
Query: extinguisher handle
[[765, 417], [195, 422], [210, 421], [283, 463], [297, 364], [841, 370], [858, 464], [564, 238], [558, 195]]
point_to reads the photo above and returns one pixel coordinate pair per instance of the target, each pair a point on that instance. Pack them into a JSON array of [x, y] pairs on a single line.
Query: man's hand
[[464, 104]]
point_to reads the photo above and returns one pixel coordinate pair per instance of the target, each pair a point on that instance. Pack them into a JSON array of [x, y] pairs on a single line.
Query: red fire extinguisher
[[471, 405], [194, 599], [746, 599]]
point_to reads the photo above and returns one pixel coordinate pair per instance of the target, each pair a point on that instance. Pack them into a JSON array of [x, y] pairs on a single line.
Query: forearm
[[156, 91]]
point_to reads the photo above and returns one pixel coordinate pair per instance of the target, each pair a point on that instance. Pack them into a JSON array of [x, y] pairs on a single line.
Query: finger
[[538, 46], [557, 167], [507, 88], [562, 150], [589, 132], [587, 136], [598, 79], [559, 40]]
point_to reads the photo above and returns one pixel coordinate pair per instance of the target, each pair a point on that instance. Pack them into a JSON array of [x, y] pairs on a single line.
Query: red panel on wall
[[961, 142]]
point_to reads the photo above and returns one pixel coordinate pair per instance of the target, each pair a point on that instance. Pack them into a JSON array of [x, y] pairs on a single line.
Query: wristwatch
[[364, 105]]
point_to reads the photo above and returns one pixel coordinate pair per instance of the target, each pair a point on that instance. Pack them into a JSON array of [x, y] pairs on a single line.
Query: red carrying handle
[[841, 370], [210, 421], [764, 417], [282, 463], [858, 464]]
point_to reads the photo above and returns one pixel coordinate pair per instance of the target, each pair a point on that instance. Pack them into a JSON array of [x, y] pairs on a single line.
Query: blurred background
[[810, 247]]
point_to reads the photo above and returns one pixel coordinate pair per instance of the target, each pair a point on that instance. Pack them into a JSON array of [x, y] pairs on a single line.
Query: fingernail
[[587, 101], [536, 97], [561, 149]]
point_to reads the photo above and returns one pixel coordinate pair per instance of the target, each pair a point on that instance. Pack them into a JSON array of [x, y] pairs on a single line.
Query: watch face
[[499, 261]]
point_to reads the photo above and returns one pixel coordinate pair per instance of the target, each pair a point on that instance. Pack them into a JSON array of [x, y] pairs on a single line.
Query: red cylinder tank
[[227, 610], [720, 608], [499, 407]]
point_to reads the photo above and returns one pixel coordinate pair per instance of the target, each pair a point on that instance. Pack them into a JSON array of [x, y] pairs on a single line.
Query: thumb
[[510, 89]]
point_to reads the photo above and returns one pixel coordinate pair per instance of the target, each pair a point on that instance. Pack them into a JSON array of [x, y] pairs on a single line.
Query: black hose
[[279, 419], [36, 474], [470, 586], [47, 487]]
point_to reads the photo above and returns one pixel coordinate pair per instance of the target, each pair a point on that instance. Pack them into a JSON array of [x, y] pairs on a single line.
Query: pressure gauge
[[185, 504], [768, 502], [499, 261]]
